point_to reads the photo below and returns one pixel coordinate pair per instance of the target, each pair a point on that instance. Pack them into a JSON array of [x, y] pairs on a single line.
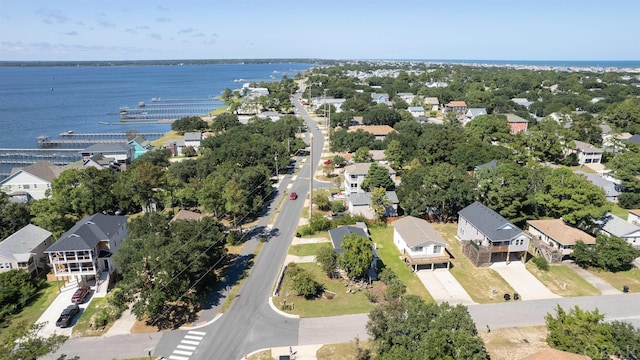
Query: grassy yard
[[630, 278], [484, 285], [343, 303], [390, 256], [563, 281], [347, 351], [514, 343], [262, 355], [307, 249], [618, 211], [34, 310], [83, 325]]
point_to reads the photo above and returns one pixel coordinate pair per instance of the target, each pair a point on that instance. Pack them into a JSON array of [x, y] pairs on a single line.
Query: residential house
[[611, 189], [271, 115], [379, 132], [490, 165], [488, 237], [121, 153], [24, 250], [320, 101], [612, 225], [186, 215], [634, 217], [140, 146], [193, 139], [354, 176], [380, 98], [338, 234], [31, 182], [416, 111], [587, 153], [86, 250], [176, 146], [432, 103], [473, 113], [378, 155], [407, 97], [553, 354], [517, 124], [419, 243], [98, 161], [633, 139], [458, 107], [555, 240], [359, 203], [522, 101]]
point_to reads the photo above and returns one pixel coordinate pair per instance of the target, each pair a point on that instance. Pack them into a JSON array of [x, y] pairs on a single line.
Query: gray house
[[337, 235], [360, 204], [611, 189], [612, 225], [24, 250], [488, 237]]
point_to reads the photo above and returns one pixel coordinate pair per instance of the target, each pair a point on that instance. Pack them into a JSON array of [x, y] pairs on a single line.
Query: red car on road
[[80, 294], [293, 195]]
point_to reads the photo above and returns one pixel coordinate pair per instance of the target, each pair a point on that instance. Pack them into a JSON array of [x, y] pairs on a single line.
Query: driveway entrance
[[444, 287], [522, 281]]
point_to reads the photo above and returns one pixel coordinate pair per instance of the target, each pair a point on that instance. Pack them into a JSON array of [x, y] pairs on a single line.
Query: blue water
[[47, 101]]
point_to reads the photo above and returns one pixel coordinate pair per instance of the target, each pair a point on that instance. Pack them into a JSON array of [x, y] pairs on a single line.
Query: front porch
[[431, 260]]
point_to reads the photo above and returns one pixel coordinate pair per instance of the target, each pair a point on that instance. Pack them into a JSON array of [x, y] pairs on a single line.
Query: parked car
[[293, 195], [327, 162], [67, 315], [80, 294]]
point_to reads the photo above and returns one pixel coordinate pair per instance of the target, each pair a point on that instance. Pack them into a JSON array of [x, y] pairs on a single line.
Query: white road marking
[[190, 342], [180, 352], [174, 357], [186, 347], [193, 332], [192, 337]]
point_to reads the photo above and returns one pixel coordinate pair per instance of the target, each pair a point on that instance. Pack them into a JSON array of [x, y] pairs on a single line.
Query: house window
[[353, 177], [26, 186], [437, 249], [417, 249], [5, 265], [354, 185]]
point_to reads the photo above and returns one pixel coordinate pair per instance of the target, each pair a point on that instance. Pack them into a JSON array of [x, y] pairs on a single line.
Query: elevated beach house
[[555, 240], [419, 243], [84, 252], [488, 237]]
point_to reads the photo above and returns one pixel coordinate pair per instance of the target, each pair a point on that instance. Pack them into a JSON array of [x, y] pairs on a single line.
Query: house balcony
[[499, 248], [427, 259]]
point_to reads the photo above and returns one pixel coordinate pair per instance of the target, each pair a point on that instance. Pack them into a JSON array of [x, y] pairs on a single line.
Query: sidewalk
[[307, 352]]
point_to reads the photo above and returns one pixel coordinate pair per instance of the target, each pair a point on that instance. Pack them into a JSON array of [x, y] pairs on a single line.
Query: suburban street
[[251, 324]]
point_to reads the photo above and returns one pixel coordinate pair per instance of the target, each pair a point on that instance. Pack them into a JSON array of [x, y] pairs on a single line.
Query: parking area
[[522, 281], [52, 313], [444, 287]]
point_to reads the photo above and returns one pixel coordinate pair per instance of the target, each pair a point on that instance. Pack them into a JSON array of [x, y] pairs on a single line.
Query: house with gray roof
[[612, 225], [611, 189], [419, 243], [587, 153], [193, 139], [380, 98], [24, 250], [354, 176], [473, 113], [337, 235], [31, 182], [490, 165], [97, 161], [140, 146], [416, 111], [488, 237], [85, 250], [360, 204], [121, 153]]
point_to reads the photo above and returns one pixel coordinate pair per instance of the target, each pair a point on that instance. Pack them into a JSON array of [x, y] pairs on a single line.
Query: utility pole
[[310, 174], [276, 158]]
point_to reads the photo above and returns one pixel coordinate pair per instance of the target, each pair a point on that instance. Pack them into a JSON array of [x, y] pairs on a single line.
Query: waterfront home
[[85, 251], [555, 240], [97, 161], [31, 182], [140, 146], [120, 153], [419, 243], [488, 237], [24, 250], [193, 139], [354, 176]]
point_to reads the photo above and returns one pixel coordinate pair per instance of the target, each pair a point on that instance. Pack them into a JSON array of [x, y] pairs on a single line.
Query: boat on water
[[103, 123]]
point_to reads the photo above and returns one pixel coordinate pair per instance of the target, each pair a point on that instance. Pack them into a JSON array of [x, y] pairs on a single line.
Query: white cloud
[[53, 16]]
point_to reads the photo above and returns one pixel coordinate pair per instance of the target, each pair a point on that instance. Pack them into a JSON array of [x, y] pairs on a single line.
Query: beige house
[[558, 236], [33, 181], [419, 243], [24, 250], [587, 153], [379, 132]]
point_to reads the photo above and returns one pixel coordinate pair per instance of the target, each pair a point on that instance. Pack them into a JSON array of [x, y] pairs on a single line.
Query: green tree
[[394, 153], [357, 256], [377, 177], [190, 123], [17, 287], [224, 122], [625, 115], [327, 258], [489, 128], [319, 222], [379, 203], [13, 216], [380, 115], [610, 253], [23, 342], [579, 331], [362, 155], [626, 339]]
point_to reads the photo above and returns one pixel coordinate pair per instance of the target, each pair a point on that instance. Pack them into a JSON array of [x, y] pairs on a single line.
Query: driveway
[[52, 313], [444, 287], [521, 280]]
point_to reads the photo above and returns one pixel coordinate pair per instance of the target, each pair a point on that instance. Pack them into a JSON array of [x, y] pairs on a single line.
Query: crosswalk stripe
[[180, 352], [174, 357], [185, 347], [193, 332], [192, 337], [190, 342]]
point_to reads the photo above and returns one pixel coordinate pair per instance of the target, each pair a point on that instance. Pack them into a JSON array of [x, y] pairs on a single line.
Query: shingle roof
[[585, 147], [553, 354], [456, 104], [23, 242], [616, 226], [373, 129], [513, 118], [192, 136], [108, 147], [45, 170], [431, 101], [186, 215], [363, 168], [417, 232], [337, 235], [88, 232], [491, 164], [635, 211], [490, 223], [561, 232], [364, 198], [610, 188]]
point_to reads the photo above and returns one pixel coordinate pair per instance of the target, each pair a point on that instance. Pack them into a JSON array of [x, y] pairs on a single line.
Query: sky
[[86, 30]]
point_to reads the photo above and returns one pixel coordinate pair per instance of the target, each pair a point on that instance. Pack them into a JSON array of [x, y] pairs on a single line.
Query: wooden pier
[[169, 109], [45, 142], [112, 135]]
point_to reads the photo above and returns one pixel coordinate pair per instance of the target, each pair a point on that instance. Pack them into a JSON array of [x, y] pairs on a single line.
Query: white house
[[612, 225], [32, 181], [587, 153], [121, 153], [419, 243], [354, 176], [407, 97], [380, 98], [359, 203], [416, 111], [634, 217], [193, 139], [24, 250], [559, 236]]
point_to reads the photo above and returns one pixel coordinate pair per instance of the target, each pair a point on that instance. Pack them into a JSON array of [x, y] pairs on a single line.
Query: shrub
[[541, 263], [305, 230], [337, 206], [303, 282], [371, 297], [319, 222]]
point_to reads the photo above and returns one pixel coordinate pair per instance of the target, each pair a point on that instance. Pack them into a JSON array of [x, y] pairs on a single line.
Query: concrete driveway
[[522, 281], [52, 313], [444, 287]]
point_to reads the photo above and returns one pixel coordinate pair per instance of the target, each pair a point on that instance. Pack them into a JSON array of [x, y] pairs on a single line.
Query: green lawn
[[34, 310], [390, 256], [307, 249], [343, 303], [484, 285], [83, 325], [563, 281], [618, 211], [630, 278], [344, 351]]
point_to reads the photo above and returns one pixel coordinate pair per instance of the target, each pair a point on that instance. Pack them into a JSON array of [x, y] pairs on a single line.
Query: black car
[[67, 315]]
